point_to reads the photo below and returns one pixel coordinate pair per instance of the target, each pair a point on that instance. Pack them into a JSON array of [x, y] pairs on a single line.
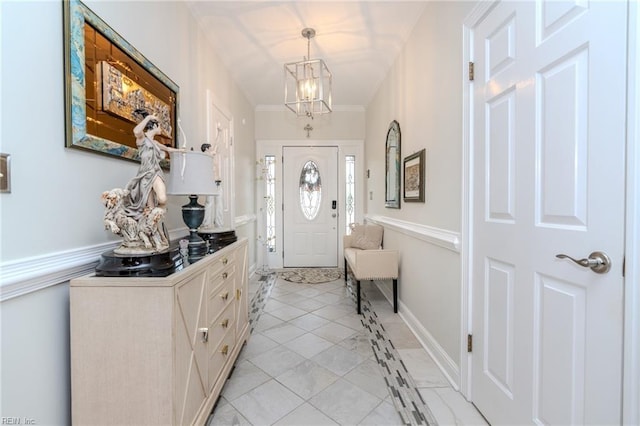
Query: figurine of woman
[[147, 189]]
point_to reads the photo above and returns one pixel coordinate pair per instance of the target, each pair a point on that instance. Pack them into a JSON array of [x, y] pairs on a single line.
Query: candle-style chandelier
[[307, 84]]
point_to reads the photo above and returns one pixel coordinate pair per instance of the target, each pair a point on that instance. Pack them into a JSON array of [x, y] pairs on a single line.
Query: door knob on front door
[[597, 261]]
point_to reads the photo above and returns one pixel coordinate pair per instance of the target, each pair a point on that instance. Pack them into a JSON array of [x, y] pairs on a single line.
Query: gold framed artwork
[[106, 81], [414, 177]]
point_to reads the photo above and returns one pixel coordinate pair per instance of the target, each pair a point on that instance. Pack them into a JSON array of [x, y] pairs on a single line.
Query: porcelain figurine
[[136, 212]]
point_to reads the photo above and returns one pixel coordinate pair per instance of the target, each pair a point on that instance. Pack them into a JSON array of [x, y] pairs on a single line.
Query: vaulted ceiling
[[358, 40]]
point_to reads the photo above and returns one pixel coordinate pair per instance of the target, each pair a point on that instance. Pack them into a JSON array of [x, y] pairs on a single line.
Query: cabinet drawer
[[221, 277], [220, 356], [219, 300], [221, 325], [221, 263], [218, 265]]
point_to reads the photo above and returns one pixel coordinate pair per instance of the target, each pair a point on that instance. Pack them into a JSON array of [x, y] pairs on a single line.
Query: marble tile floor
[[311, 360]]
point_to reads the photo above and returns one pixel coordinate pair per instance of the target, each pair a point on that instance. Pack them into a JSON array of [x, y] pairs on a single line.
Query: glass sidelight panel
[[310, 190], [350, 192], [269, 176]]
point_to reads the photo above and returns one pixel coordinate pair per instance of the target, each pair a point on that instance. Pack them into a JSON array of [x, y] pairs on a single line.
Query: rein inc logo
[[17, 421]]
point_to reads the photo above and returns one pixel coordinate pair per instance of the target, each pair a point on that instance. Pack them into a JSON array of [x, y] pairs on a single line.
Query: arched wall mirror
[[392, 167]]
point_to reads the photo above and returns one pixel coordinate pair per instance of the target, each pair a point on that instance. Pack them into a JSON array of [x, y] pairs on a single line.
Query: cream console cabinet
[[157, 351]]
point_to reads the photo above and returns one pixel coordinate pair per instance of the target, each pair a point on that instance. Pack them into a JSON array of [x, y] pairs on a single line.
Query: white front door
[[310, 196], [548, 104]]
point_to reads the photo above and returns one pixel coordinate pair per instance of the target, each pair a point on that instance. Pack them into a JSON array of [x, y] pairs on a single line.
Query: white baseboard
[[447, 365], [252, 270]]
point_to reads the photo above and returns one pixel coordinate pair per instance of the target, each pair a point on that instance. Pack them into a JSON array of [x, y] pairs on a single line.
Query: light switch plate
[[5, 172]]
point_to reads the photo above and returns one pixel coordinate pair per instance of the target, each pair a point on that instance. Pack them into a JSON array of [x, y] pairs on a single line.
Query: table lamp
[[192, 174]]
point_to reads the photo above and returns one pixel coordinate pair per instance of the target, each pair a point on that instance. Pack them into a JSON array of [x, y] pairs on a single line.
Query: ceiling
[[358, 40]]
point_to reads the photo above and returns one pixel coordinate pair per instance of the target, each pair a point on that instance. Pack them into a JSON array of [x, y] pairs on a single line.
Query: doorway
[[348, 174]]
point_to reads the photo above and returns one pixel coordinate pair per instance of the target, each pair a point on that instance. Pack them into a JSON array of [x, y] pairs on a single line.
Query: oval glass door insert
[[310, 190]]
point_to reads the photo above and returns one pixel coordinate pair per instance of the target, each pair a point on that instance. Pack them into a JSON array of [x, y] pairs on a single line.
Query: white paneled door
[[548, 104], [310, 196]]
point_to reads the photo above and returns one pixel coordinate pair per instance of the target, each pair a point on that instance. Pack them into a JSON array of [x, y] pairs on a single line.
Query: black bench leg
[[395, 296], [358, 290], [345, 270]]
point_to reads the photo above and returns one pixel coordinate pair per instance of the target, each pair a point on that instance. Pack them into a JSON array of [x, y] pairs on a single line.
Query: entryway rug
[[310, 275]]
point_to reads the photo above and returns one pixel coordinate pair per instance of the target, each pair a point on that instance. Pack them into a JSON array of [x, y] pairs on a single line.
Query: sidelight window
[[350, 192], [269, 177]]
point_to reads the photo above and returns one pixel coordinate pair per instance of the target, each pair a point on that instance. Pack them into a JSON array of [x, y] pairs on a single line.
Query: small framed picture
[[414, 177]]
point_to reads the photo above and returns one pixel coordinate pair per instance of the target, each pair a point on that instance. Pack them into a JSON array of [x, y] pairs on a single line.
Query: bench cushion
[[372, 264]]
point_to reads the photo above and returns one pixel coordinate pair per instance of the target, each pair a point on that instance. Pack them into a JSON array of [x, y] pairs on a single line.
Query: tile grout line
[[404, 392]]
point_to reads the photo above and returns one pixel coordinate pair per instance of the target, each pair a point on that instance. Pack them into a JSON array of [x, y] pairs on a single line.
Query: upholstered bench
[[364, 255]]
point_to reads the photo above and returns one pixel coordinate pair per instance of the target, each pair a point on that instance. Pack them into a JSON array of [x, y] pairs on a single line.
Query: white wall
[[278, 123], [54, 207], [423, 92]]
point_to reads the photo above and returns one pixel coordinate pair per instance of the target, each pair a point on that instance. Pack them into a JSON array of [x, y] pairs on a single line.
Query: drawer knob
[[224, 350], [224, 275], [225, 323], [225, 261], [225, 296], [205, 334]]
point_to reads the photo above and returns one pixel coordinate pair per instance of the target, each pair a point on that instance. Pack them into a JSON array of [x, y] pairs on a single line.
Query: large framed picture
[[414, 177], [107, 83]]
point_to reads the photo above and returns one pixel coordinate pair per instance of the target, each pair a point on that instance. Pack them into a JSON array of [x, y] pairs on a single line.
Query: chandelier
[[307, 84]]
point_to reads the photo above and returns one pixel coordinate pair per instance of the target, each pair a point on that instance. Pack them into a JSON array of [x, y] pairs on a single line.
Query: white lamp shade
[[191, 174]]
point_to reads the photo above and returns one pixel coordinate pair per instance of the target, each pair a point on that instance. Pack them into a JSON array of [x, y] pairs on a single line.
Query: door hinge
[[469, 343], [624, 264], [471, 71]]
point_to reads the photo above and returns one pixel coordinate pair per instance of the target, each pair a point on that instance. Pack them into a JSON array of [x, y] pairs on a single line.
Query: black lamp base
[[193, 215], [198, 248]]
